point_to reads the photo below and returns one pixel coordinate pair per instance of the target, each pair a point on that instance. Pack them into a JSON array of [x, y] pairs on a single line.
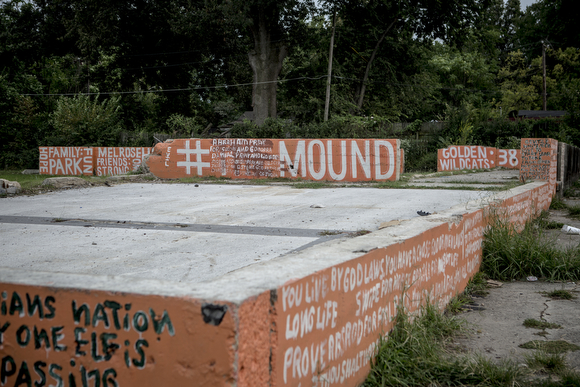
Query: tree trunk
[[369, 63], [266, 62]]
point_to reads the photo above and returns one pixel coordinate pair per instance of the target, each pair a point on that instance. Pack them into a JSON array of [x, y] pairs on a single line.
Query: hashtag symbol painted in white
[[188, 164]]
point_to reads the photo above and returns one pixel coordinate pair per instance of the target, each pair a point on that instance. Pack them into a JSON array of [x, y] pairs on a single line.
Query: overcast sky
[[525, 3]]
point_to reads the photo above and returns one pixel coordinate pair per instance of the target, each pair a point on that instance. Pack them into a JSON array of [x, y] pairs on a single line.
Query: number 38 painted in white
[[508, 155]]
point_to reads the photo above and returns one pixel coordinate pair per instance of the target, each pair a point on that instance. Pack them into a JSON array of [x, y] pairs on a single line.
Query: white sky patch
[[525, 3]]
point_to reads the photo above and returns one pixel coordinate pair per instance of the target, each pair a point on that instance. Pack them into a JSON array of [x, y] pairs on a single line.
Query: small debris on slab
[[494, 284], [389, 224]]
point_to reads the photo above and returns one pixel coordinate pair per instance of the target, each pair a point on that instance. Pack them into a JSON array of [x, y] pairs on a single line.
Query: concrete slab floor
[[492, 179], [184, 233]]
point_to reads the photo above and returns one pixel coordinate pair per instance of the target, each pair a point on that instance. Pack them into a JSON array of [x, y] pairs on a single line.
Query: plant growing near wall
[[509, 255], [84, 121]]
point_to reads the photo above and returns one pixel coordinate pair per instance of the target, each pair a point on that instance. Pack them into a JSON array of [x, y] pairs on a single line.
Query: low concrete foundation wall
[[89, 161], [313, 317], [328, 159], [459, 157]]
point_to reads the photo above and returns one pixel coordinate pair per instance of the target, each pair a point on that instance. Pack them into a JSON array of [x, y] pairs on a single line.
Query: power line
[[185, 52], [174, 90]]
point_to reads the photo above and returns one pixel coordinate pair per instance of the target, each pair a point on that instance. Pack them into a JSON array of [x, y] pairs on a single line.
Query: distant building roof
[[538, 113]]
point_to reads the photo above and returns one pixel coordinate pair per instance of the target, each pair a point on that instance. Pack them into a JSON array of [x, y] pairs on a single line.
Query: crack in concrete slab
[[190, 227]]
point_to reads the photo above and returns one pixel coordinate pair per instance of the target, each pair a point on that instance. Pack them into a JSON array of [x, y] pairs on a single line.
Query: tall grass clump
[[511, 255], [414, 355]]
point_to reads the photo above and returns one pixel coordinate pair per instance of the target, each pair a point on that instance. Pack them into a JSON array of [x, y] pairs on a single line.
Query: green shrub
[[82, 121], [182, 126]]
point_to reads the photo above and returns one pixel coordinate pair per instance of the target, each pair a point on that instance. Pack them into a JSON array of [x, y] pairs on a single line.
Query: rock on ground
[[9, 187]]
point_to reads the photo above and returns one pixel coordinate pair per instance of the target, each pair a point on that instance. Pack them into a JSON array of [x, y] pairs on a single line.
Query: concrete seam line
[[162, 226]]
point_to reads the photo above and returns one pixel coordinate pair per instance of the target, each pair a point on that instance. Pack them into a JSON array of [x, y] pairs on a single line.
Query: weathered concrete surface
[[190, 234], [495, 178], [498, 329], [562, 239]]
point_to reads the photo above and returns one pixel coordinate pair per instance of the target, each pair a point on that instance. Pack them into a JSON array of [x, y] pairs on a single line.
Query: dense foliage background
[[86, 73]]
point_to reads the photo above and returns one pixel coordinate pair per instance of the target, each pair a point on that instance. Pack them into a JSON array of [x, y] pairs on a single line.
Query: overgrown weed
[[509, 255], [560, 294], [541, 361], [574, 211], [537, 324], [552, 347], [557, 203], [477, 286], [415, 355]]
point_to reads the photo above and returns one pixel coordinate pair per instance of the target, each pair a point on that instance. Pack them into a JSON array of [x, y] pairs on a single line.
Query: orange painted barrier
[[58, 160], [68, 337], [118, 160], [540, 160], [332, 159], [461, 157], [321, 329], [402, 161], [466, 157], [509, 158], [330, 323], [55, 160]]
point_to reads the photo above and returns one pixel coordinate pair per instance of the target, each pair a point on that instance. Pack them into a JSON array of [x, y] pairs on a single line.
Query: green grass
[[564, 379], [509, 255], [477, 286], [557, 203], [415, 355], [32, 183], [560, 294], [543, 222], [574, 211], [549, 363], [26, 181], [552, 347], [537, 324], [313, 184], [394, 184]]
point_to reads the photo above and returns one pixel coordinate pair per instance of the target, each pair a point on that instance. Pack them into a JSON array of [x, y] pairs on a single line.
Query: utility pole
[[544, 94], [327, 103], [89, 77]]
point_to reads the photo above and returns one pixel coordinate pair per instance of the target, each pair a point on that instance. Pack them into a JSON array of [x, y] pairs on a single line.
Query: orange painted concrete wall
[[319, 330], [118, 160], [66, 337], [329, 323], [59, 160], [402, 161], [87, 161], [456, 158], [329, 159], [540, 160]]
